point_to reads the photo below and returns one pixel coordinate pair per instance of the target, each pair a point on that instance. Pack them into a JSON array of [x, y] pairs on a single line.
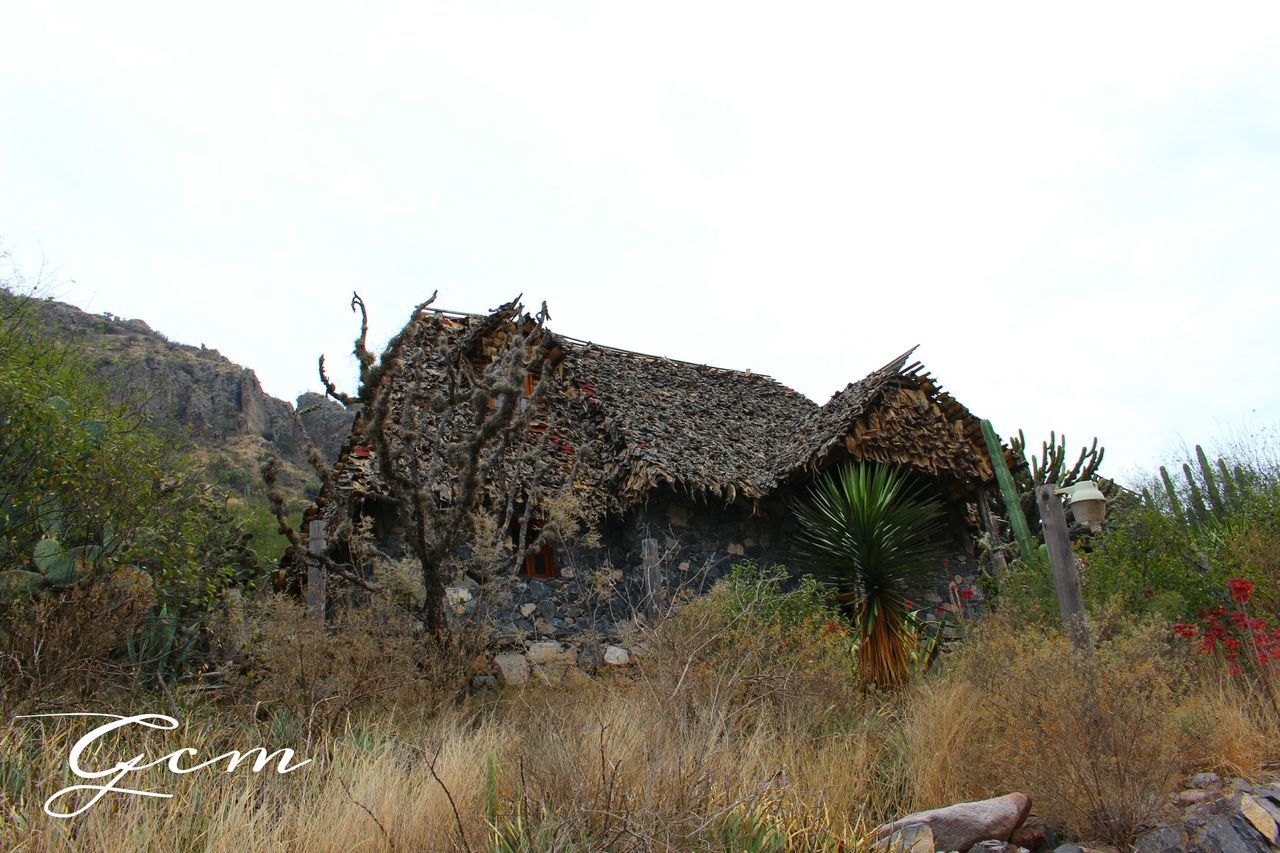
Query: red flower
[[1238, 619], [966, 593], [908, 604], [1185, 631], [1241, 590], [1235, 670]]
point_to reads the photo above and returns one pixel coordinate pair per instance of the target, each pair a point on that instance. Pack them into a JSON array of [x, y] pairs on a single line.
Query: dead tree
[[448, 418]]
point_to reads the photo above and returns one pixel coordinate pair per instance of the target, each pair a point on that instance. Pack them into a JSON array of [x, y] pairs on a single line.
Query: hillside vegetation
[[745, 719], [198, 397]]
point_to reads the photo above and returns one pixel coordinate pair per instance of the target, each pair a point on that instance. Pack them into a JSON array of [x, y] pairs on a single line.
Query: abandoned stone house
[[692, 469]]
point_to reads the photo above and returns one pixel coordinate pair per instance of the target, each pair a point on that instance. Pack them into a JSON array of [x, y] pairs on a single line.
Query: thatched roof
[[720, 433], [696, 428], [897, 414]]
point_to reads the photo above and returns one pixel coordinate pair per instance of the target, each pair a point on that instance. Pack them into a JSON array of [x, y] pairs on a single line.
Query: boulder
[[1030, 837], [617, 656], [483, 685], [1260, 818], [1205, 780], [590, 658], [1233, 834], [513, 667], [1191, 796], [456, 595], [961, 826], [912, 838], [546, 652], [1162, 839], [1267, 797]]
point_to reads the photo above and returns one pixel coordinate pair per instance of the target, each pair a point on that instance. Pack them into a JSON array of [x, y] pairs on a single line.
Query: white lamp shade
[[1088, 504]]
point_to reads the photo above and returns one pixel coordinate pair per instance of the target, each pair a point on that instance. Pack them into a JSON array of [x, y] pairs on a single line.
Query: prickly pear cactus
[[56, 563]]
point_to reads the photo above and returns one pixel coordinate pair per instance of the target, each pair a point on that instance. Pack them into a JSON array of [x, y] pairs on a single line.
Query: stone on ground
[[513, 667], [961, 826], [912, 838]]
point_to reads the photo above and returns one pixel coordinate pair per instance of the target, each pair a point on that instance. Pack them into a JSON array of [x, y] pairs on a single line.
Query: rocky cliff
[[197, 392]]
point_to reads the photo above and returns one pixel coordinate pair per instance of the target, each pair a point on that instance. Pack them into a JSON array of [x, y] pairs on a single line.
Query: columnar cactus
[[1212, 492]]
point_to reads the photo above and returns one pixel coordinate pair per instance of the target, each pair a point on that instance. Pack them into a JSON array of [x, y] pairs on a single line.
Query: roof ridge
[[616, 350], [652, 357]]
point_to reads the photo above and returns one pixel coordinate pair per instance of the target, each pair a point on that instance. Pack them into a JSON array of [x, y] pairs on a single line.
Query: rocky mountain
[[199, 393], [327, 423]]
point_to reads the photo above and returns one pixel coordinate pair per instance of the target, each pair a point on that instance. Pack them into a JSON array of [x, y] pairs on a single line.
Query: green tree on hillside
[[95, 508]]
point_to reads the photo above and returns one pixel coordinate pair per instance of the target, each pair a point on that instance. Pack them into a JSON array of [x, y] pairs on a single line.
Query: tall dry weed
[[1091, 736]]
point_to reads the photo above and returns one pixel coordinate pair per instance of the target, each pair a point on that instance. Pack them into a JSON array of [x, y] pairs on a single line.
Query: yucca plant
[[870, 531]]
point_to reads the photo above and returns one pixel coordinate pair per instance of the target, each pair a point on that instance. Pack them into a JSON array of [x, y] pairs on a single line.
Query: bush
[[871, 531], [59, 651], [1172, 553], [88, 491], [367, 657], [756, 638], [1092, 737]]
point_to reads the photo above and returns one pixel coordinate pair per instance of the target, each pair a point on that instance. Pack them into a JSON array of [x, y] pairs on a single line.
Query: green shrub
[[1175, 550], [768, 596], [1172, 548], [88, 490]]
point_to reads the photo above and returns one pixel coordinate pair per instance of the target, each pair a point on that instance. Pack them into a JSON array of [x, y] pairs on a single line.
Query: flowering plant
[[1242, 640]]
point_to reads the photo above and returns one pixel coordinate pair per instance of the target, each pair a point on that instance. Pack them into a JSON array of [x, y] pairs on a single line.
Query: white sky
[[1074, 210]]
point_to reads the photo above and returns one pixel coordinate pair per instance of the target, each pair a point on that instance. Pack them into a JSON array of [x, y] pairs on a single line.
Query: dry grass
[[712, 744], [1226, 726], [1097, 739], [606, 769], [59, 650], [365, 658]]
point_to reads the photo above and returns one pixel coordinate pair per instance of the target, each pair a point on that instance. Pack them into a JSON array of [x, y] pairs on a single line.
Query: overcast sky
[[1075, 211]]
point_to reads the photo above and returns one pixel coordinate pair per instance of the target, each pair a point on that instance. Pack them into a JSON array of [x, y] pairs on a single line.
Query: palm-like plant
[[871, 532]]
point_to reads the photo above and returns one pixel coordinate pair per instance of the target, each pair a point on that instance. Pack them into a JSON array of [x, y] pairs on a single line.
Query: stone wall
[[580, 617]]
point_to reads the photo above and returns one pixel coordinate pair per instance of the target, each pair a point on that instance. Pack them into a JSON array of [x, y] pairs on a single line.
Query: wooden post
[[315, 571], [233, 612], [652, 576], [998, 565], [1063, 563], [1017, 521]]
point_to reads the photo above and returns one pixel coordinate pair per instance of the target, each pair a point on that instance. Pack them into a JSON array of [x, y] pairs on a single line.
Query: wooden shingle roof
[[720, 433]]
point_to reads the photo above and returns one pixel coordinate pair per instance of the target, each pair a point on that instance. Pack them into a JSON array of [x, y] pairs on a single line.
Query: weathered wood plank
[[316, 579], [1063, 562]]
